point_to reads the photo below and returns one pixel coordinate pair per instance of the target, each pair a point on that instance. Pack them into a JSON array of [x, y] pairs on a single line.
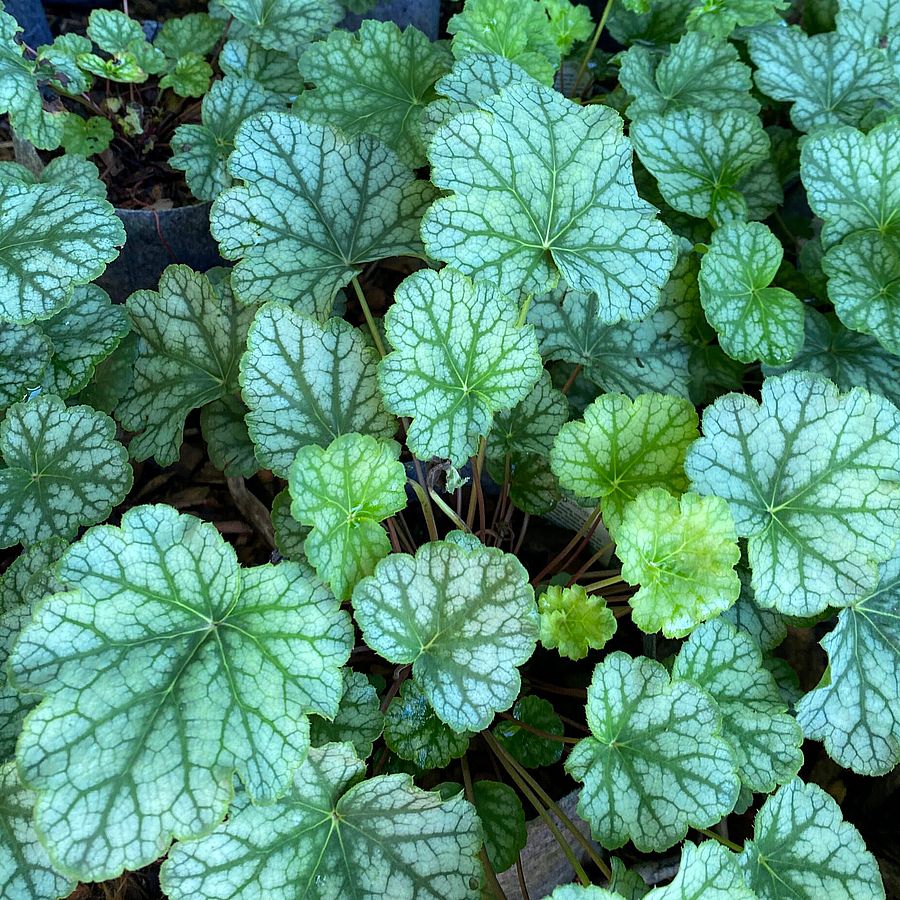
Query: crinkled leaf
[[699, 71], [765, 739], [86, 136], [64, 469], [459, 356], [25, 352], [344, 492], [623, 447], [25, 869], [464, 618], [855, 709], [227, 439], [753, 319], [189, 77], [83, 334], [530, 749], [335, 835], [811, 477], [721, 17], [314, 209], [376, 82], [655, 763], [682, 554], [829, 79], [802, 847], [51, 239], [502, 821], [193, 336], [306, 383], [848, 358], [542, 188], [705, 161], [24, 584], [521, 32], [574, 622], [359, 720], [414, 732], [165, 669], [194, 33], [285, 24], [71, 170]]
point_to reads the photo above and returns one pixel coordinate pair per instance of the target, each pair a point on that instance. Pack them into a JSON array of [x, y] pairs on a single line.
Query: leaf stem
[[593, 45], [475, 492], [605, 582], [448, 512], [427, 511], [548, 736], [731, 845], [586, 529], [370, 321], [494, 885], [523, 312]]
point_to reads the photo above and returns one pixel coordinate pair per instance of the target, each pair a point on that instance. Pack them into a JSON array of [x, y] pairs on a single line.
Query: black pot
[[423, 14], [156, 239]]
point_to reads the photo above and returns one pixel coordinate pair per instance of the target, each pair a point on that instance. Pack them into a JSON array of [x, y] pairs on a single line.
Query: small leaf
[[767, 627], [315, 208], [113, 31], [284, 24], [112, 377], [523, 231], [855, 709], [51, 240], [227, 440], [721, 17], [706, 872], [705, 161], [754, 320], [337, 835], [290, 535], [25, 870], [414, 732], [459, 357], [165, 669], [811, 478], [189, 77], [764, 738], [64, 469], [71, 170], [532, 750], [830, 79], [699, 71], [464, 618], [25, 352], [307, 383], [573, 622], [655, 764], [194, 33], [270, 69], [682, 554], [359, 720], [502, 820], [344, 492], [623, 447], [376, 82], [193, 334], [802, 847], [86, 136]]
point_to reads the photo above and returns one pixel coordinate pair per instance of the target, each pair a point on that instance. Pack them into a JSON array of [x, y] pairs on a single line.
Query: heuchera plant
[[533, 356]]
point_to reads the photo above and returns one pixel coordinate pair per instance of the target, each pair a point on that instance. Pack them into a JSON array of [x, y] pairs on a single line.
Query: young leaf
[[721, 17], [25, 352], [25, 869], [166, 669], [542, 188], [24, 584], [376, 82], [520, 32], [662, 24], [532, 750], [464, 618], [460, 356], [336, 835], [848, 358], [573, 622], [284, 25], [290, 535], [359, 720], [64, 469], [683, 555], [112, 377], [699, 71], [532, 425], [502, 821], [194, 33], [855, 709], [414, 732], [86, 136], [811, 478], [802, 847], [754, 320], [705, 161], [764, 738], [193, 335], [623, 447], [51, 240], [655, 763], [344, 492], [627, 882], [83, 334], [113, 31], [306, 383], [314, 209], [189, 77]]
